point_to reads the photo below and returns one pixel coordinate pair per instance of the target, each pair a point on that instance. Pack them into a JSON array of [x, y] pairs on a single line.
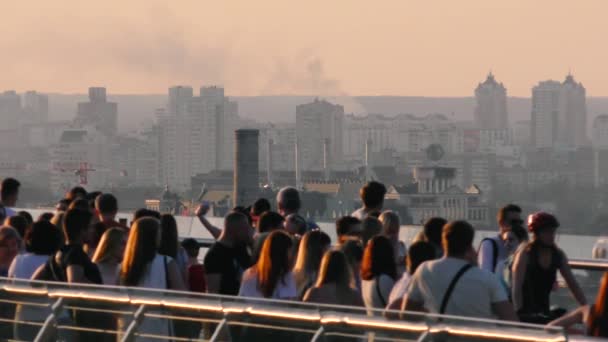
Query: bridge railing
[[48, 311]]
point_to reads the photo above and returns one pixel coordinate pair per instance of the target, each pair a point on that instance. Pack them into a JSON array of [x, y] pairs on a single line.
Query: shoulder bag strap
[[379, 293], [448, 292], [167, 281]]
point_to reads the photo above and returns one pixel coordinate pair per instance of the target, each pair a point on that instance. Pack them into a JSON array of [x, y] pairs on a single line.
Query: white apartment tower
[[317, 122], [491, 109], [559, 114]]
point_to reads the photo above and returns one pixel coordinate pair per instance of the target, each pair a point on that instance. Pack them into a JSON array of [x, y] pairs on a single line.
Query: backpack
[[50, 271], [494, 252]]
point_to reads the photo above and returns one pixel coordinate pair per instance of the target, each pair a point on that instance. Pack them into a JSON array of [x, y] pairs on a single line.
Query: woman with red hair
[[594, 317], [535, 272]]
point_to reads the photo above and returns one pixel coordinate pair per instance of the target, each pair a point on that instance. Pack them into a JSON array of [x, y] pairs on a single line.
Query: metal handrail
[[273, 313]]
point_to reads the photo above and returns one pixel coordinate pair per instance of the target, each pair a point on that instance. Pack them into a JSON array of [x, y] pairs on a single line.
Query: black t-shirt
[[229, 263], [74, 255]]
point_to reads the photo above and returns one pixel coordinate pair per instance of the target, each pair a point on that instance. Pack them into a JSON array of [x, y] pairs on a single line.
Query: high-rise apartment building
[[35, 108], [318, 122], [10, 110], [491, 108], [545, 113], [98, 112]]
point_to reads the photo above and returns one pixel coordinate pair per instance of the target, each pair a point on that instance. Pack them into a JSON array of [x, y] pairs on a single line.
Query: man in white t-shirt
[[474, 292], [9, 194], [492, 251]]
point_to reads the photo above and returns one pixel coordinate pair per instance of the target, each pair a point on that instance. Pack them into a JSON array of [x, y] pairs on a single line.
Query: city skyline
[[410, 49]]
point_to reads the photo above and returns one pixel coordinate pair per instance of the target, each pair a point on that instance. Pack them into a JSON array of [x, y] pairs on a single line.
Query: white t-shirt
[[400, 288], [24, 265], [375, 292], [472, 296], [486, 254], [285, 289]]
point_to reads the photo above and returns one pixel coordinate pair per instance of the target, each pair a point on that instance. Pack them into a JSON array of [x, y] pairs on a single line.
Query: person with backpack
[[492, 251]]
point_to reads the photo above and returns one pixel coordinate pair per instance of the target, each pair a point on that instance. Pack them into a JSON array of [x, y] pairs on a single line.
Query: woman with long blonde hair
[[143, 266], [109, 253], [390, 228], [312, 247], [335, 283]]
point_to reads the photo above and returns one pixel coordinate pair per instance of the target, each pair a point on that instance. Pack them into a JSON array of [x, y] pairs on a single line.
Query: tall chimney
[[297, 160], [246, 170], [269, 161], [368, 151], [326, 156]]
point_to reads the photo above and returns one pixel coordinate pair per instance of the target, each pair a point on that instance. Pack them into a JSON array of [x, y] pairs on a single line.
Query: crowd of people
[[279, 254]]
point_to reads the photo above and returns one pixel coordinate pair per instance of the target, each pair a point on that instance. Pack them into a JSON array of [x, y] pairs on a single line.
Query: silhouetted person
[[372, 195]]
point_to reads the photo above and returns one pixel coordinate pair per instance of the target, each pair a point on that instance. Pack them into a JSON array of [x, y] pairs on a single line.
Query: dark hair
[[63, 204], [270, 221], [418, 253], [140, 250], [19, 223], [520, 233], [168, 236], [334, 269], [28, 217], [597, 323], [433, 228], [191, 247], [106, 204], [288, 199], [378, 258], [81, 204], [372, 194], [47, 216], [244, 211], [9, 187], [371, 227], [143, 212], [344, 225], [75, 222], [353, 249], [273, 263], [75, 193], [299, 221], [457, 238], [43, 239], [260, 206], [504, 211]]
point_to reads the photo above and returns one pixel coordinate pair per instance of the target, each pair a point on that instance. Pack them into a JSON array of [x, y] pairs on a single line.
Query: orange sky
[[320, 47]]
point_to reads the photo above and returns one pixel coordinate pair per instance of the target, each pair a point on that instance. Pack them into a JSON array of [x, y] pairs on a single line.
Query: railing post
[[318, 334], [218, 331], [137, 318], [424, 337], [47, 329]]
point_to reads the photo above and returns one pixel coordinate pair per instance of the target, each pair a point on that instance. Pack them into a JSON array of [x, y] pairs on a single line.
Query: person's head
[[244, 211], [597, 323], [27, 216], [43, 239], [106, 205], [295, 225], [378, 258], [237, 228], [348, 227], [274, 262], [508, 216], [335, 269], [457, 239], [143, 212], [390, 224], [543, 227], [19, 223], [259, 207], [191, 247], [141, 248], [372, 195], [433, 228], [81, 204], [62, 205], [312, 247], [91, 197], [9, 191], [418, 253], [288, 201], [10, 243], [353, 249], [48, 216], [270, 221], [76, 193], [111, 247], [370, 227], [169, 240], [76, 224]]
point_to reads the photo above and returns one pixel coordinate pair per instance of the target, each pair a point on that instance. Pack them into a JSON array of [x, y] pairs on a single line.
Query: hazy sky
[[325, 47]]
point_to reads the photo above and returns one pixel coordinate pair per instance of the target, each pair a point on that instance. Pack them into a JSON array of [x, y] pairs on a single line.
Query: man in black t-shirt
[[228, 258]]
